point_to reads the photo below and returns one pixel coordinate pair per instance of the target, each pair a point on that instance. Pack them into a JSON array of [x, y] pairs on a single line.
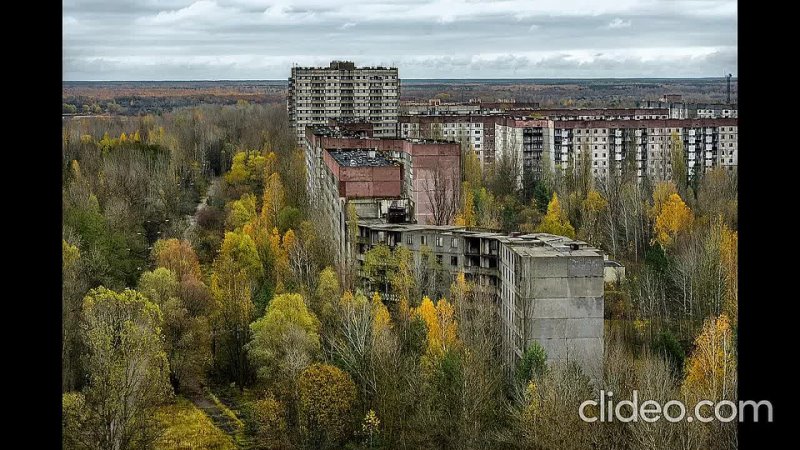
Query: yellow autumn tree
[[459, 290], [346, 299], [440, 324], [238, 172], [280, 257], [556, 221], [402, 279], [711, 368], [270, 164], [381, 321], [240, 212], [247, 169], [177, 256], [592, 206], [273, 201], [404, 310], [661, 194], [289, 241], [326, 397], [675, 217], [269, 416], [466, 214], [472, 169]]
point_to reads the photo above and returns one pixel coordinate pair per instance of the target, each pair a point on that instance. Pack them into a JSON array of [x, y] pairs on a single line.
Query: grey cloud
[[246, 39]]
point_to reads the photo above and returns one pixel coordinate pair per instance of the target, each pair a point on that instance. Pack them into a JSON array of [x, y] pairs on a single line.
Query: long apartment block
[[602, 138], [342, 90], [546, 288]]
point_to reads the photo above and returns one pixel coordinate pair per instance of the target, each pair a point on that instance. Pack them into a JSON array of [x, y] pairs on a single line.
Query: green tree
[[127, 369], [286, 340], [289, 219], [678, 165], [72, 291], [159, 286], [187, 333], [232, 285], [241, 212], [533, 363], [542, 195]]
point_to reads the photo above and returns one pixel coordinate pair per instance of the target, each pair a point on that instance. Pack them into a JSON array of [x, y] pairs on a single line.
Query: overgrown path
[[223, 418], [192, 218]]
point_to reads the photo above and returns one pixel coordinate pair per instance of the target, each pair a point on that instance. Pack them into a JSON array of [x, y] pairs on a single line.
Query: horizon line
[[413, 79]]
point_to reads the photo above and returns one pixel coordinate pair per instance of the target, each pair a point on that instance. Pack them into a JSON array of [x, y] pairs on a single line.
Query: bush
[[533, 363], [668, 347], [269, 417], [288, 218], [327, 395]]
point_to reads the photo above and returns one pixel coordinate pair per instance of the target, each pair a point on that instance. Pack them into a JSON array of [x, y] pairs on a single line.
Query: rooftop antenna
[[729, 88]]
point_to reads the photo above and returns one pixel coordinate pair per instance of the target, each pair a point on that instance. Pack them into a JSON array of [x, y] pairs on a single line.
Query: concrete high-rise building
[[343, 91]]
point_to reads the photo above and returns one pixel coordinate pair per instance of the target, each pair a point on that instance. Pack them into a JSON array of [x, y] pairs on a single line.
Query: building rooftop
[[362, 157], [344, 65], [336, 131], [527, 245]]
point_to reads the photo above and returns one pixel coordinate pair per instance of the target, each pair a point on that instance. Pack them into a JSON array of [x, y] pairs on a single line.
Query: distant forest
[[157, 97]]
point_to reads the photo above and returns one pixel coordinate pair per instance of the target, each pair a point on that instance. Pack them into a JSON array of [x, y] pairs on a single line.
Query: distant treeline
[[150, 97], [157, 97]]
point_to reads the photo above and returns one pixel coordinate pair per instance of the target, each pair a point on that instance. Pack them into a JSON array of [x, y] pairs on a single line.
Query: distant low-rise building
[[613, 272]]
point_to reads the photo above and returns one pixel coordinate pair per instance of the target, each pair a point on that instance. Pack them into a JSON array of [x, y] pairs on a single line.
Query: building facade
[[346, 166], [527, 143], [342, 90], [546, 288], [646, 145], [475, 128], [565, 139]]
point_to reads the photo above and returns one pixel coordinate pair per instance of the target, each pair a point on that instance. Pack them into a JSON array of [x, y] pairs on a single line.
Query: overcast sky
[[261, 39]]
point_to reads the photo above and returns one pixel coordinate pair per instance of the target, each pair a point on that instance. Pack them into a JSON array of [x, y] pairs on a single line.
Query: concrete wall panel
[[585, 327]]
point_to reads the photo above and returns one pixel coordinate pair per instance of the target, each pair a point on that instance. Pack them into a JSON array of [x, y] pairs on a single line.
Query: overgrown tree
[[128, 372], [555, 221], [327, 395]]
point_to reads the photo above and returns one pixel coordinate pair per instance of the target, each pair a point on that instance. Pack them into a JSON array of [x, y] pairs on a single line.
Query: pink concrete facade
[[426, 159]]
